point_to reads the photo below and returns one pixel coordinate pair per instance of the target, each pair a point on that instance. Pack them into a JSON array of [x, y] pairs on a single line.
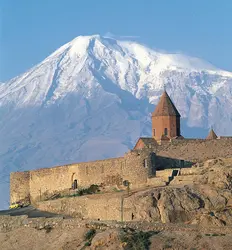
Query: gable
[[140, 144]]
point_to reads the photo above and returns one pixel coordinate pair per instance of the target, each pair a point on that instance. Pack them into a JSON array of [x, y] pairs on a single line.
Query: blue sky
[[32, 29]]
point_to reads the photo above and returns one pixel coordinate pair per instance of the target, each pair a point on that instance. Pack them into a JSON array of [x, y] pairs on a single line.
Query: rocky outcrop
[[70, 234], [110, 239], [183, 205], [207, 200]]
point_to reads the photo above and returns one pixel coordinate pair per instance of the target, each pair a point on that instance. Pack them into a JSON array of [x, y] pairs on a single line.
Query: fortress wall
[[19, 186], [196, 150], [50, 180], [113, 171], [138, 167], [101, 206], [107, 171], [131, 167]]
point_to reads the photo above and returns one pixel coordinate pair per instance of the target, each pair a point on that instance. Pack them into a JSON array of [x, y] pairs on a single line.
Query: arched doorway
[[75, 184]]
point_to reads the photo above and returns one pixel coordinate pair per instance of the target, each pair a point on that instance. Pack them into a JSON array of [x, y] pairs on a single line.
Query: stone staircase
[[186, 176], [177, 176], [163, 177], [167, 175]]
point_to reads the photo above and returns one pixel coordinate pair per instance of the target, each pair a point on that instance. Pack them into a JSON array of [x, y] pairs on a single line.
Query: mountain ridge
[[97, 44]]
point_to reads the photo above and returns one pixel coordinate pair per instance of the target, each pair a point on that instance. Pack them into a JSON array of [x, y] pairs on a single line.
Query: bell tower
[[165, 119]]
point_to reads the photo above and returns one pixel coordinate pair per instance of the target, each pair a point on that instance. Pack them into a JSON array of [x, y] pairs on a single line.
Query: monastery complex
[[150, 163]]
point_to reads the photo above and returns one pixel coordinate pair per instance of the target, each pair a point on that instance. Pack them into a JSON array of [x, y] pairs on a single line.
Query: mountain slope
[[92, 99]]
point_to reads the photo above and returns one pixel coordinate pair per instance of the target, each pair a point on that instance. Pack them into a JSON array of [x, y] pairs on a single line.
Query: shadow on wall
[[167, 163]]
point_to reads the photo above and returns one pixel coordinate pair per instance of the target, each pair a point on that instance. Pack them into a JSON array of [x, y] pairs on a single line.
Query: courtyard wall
[[39, 184], [195, 150]]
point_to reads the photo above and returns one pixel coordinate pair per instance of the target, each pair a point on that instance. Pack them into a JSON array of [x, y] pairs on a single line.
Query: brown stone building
[[165, 149], [165, 119]]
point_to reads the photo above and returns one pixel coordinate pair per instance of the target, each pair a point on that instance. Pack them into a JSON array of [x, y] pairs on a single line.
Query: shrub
[[93, 189], [137, 240], [87, 244], [90, 190], [80, 192], [90, 234], [48, 228]]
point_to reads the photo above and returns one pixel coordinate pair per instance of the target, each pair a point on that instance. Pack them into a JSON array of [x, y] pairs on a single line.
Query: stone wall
[[19, 186], [140, 165], [135, 167], [108, 172], [97, 207], [48, 181], [195, 150]]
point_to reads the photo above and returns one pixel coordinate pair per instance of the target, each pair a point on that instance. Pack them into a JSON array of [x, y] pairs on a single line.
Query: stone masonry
[[136, 166]]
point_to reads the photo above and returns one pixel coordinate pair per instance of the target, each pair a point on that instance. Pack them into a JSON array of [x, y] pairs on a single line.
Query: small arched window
[[154, 132], [165, 131]]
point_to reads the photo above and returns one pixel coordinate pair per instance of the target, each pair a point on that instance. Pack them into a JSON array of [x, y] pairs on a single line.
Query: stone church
[[141, 166]]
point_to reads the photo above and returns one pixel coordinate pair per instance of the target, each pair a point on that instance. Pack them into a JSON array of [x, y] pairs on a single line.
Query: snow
[[100, 91], [129, 65]]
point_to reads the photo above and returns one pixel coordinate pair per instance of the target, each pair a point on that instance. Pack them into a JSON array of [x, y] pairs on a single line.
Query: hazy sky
[[32, 29]]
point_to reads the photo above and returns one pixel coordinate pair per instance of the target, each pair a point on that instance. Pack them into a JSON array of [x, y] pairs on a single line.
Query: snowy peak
[[89, 64]]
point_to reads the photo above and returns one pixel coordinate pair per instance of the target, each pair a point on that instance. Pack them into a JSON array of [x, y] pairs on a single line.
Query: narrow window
[[154, 132], [145, 163], [132, 216], [165, 131]]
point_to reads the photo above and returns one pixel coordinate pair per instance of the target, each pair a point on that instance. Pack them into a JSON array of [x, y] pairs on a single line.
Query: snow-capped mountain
[[92, 99]]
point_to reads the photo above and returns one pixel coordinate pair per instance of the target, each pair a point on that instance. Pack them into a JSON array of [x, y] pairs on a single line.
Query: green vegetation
[[137, 240], [88, 237], [93, 189], [90, 234]]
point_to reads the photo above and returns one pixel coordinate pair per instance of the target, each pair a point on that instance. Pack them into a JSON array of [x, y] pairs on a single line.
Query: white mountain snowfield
[[92, 99]]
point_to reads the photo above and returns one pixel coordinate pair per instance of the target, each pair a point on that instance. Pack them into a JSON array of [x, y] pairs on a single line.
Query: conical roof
[[165, 107], [211, 135]]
